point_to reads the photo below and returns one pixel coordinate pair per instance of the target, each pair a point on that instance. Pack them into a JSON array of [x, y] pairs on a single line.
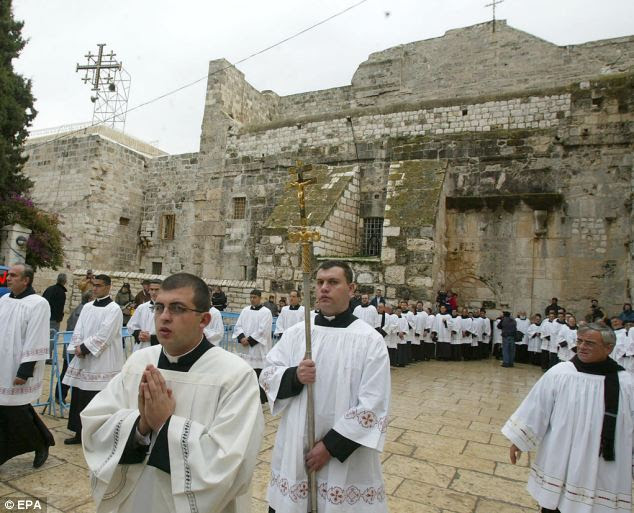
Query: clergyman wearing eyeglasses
[[180, 427], [579, 417]]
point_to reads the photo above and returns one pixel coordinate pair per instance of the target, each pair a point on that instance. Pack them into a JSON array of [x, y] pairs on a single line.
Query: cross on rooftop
[[493, 4], [97, 63]]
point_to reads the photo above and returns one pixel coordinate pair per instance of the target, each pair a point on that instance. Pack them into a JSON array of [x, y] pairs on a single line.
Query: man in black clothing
[[508, 326], [219, 299], [552, 307], [56, 297]]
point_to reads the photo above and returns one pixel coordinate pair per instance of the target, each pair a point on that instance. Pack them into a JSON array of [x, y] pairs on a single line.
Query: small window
[[124, 221], [239, 208], [168, 222], [372, 236], [157, 267]]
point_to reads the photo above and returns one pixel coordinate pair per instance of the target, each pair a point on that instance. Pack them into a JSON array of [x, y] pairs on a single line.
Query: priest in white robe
[[388, 330], [96, 344], [366, 312], [465, 331], [534, 333], [24, 344], [579, 417], [442, 331], [521, 346], [141, 324], [179, 429], [419, 331], [290, 314], [215, 330], [254, 332], [567, 340], [351, 381], [429, 343], [485, 343], [456, 336]]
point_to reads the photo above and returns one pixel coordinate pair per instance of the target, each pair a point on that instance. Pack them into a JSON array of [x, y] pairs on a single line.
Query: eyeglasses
[[174, 309]]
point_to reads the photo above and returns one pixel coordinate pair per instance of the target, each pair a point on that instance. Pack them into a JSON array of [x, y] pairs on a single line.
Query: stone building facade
[[493, 163]]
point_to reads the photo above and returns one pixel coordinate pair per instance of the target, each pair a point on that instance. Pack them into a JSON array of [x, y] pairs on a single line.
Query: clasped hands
[[156, 401]]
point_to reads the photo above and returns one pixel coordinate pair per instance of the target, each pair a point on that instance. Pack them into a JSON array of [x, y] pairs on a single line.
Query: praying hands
[[156, 401]]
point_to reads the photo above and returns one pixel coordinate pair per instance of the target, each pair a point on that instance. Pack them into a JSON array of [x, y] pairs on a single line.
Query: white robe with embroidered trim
[[99, 329], [352, 395], [259, 325], [215, 330], [562, 417], [142, 319], [213, 437], [24, 324], [367, 314], [288, 318]]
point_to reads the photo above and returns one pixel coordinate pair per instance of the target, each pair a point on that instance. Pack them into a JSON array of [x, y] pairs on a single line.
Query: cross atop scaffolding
[[493, 4], [111, 84]]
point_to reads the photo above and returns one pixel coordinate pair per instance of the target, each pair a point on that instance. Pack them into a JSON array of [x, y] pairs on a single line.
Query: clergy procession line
[[177, 425]]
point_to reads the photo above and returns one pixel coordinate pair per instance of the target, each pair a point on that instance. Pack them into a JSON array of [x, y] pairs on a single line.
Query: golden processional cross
[[306, 238]]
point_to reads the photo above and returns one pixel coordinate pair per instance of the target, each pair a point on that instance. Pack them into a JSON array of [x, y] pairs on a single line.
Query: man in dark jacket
[[508, 326], [56, 297], [219, 299]]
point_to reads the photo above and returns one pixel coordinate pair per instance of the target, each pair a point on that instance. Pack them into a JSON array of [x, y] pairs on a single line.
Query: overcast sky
[[164, 44]]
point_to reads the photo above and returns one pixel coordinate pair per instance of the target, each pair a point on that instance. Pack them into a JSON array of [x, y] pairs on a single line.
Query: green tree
[[16, 106], [44, 247]]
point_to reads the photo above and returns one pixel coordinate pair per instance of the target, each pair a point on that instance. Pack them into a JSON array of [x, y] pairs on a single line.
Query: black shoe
[[40, 457], [75, 440]]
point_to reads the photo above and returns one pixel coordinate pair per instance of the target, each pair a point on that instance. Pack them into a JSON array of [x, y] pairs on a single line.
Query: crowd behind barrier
[[61, 339]]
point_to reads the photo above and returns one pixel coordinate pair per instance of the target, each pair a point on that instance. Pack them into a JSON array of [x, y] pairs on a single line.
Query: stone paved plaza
[[444, 454]]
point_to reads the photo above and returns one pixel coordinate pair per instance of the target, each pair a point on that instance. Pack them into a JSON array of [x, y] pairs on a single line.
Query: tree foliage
[[16, 106], [44, 246]]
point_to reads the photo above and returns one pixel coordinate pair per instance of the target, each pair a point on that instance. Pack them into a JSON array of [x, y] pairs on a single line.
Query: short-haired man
[[253, 329], [96, 345], [56, 297], [24, 317], [180, 427], [144, 294], [350, 373], [377, 299], [579, 418], [85, 284], [366, 312], [142, 322], [290, 315], [552, 307]]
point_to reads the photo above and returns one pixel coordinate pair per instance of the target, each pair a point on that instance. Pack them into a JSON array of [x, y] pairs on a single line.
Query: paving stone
[[438, 497], [419, 470], [491, 487]]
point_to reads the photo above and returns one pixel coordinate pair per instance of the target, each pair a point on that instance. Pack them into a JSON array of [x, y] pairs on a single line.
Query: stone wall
[[96, 187]]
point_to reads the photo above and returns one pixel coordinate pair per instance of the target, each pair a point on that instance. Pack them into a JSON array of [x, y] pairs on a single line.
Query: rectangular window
[[168, 223], [372, 236], [239, 208], [157, 268]]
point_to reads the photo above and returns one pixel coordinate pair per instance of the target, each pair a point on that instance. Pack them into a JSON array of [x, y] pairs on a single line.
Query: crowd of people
[[178, 424]]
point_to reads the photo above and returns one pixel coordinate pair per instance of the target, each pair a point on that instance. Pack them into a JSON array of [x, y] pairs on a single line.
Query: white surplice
[[477, 329], [562, 416], [454, 328], [391, 328], [215, 330], [522, 326], [419, 327], [429, 327], [142, 319], [351, 394], [566, 341], [288, 317], [368, 314], [534, 333], [465, 329], [442, 327], [213, 438], [25, 338], [257, 324], [99, 329], [497, 332]]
